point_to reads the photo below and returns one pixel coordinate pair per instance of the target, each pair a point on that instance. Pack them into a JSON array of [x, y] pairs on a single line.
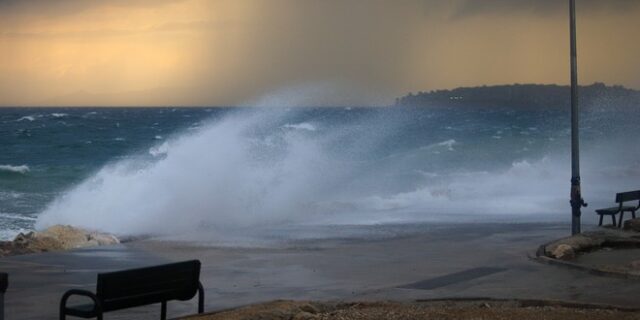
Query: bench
[[138, 287], [621, 198]]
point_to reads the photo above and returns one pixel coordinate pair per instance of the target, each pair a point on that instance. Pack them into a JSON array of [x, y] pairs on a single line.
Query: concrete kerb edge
[[540, 256]]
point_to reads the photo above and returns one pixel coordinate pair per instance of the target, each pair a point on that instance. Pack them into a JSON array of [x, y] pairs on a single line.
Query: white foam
[[301, 126], [159, 150], [211, 178], [10, 234], [448, 144], [28, 118], [13, 216], [59, 115], [225, 176], [23, 169]]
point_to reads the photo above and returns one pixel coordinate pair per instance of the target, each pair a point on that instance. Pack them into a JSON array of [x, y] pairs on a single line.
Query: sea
[[224, 171]]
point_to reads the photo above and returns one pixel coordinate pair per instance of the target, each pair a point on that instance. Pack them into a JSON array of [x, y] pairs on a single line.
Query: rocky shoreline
[[55, 238]]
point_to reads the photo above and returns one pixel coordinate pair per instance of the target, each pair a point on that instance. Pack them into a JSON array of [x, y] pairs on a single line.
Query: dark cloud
[[468, 8]]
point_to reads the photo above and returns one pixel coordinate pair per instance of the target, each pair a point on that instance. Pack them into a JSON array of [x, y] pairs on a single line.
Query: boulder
[[563, 252], [567, 248], [632, 225], [55, 238]]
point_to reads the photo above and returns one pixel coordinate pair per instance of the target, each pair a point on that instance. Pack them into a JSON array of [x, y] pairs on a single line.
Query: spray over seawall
[[268, 167]]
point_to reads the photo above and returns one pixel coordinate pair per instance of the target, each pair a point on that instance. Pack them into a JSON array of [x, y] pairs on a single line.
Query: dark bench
[[138, 287], [621, 198]]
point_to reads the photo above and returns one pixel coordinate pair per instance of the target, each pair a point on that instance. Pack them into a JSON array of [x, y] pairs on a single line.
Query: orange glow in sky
[[229, 52]]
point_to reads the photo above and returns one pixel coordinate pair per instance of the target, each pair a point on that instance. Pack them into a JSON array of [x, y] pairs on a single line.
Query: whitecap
[[59, 115], [301, 126], [29, 118], [448, 144], [23, 169], [13, 216]]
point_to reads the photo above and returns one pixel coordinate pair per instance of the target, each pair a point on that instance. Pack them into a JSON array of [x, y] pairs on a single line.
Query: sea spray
[[219, 177], [269, 167]]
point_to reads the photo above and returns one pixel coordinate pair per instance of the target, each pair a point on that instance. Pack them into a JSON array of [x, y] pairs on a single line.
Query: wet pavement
[[467, 260]]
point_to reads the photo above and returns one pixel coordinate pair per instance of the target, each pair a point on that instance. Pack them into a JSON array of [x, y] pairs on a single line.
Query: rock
[[304, 316], [632, 225], [567, 248], [55, 238], [309, 309], [563, 252]]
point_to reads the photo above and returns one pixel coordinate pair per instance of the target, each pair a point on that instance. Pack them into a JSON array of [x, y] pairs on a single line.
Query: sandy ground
[[490, 310], [399, 263]]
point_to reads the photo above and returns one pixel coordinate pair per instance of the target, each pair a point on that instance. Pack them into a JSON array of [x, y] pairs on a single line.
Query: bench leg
[[621, 217], [600, 223], [613, 219], [163, 310], [633, 214], [200, 298]]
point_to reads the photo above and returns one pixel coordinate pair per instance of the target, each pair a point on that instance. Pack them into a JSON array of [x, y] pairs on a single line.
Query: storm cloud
[[229, 52], [468, 8]]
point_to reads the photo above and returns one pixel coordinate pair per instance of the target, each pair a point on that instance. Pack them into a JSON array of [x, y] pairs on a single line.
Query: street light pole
[[576, 197]]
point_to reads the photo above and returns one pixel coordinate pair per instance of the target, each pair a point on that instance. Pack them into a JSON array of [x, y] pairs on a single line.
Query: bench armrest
[[97, 305]]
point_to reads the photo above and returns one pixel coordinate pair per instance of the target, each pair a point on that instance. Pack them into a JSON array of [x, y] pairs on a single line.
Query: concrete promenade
[[466, 260]]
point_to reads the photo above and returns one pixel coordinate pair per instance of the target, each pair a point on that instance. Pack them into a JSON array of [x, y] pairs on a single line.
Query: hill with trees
[[529, 96]]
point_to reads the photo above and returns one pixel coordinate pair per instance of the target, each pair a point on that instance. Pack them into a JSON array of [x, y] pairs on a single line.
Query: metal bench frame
[[621, 198], [138, 287]]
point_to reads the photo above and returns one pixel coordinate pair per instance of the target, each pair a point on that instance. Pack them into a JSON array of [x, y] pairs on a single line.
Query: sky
[[324, 52]]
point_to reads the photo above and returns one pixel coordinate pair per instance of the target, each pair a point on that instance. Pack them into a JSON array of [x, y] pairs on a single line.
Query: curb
[[541, 257]]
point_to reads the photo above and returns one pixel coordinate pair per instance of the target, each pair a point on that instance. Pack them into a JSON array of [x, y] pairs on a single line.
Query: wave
[[59, 115], [9, 234], [11, 216], [23, 169], [448, 144], [242, 171], [27, 118], [300, 126]]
